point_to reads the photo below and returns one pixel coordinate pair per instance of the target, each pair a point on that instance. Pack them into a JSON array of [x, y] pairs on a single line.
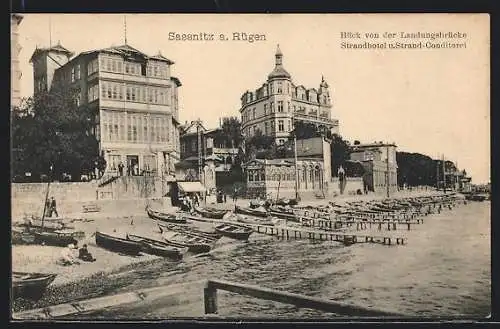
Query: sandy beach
[[73, 279]]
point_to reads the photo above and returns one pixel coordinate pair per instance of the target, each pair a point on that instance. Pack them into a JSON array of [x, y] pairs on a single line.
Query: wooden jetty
[[332, 225], [288, 232]]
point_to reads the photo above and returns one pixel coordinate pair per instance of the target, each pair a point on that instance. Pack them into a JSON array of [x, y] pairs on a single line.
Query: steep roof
[[56, 49], [279, 72]]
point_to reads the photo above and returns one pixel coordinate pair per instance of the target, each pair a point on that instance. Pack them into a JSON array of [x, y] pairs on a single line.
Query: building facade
[[273, 107], [276, 178], [214, 145], [380, 165], [15, 70], [134, 98]]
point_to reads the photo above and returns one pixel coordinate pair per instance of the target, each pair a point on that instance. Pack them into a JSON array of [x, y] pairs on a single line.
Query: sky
[[430, 101]]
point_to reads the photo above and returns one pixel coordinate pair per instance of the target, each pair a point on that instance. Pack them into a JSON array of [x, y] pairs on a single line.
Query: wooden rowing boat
[[188, 230], [249, 211], [233, 231], [57, 238], [210, 213], [170, 218], [254, 220], [116, 243], [195, 244], [158, 248], [31, 285]]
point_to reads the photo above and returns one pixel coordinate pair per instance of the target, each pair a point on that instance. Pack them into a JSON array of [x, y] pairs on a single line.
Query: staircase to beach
[[107, 179]]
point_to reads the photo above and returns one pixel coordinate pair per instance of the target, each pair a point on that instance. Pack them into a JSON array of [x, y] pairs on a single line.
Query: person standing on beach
[[48, 211], [53, 207]]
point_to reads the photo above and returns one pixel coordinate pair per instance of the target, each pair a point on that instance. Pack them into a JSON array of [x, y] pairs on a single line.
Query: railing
[[300, 301], [172, 297]]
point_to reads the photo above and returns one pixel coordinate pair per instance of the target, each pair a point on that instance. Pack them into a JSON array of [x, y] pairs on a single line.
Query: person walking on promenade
[[53, 207], [224, 195], [120, 169], [235, 195]]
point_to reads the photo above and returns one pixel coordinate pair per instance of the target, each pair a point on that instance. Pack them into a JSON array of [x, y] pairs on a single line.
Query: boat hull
[[117, 244], [158, 248], [189, 231], [54, 239], [237, 235], [251, 212], [165, 217], [210, 214], [33, 287]]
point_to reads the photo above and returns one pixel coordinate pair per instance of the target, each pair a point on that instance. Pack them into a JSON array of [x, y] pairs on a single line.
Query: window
[[272, 107], [289, 107], [280, 106], [280, 87], [288, 88], [289, 125], [92, 66], [281, 126], [253, 112], [266, 127], [78, 98], [254, 130], [77, 72], [73, 74], [93, 93], [265, 108], [271, 85]]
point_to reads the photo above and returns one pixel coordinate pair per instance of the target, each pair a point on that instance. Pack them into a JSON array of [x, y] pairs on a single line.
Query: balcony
[[135, 106], [141, 79], [316, 118]]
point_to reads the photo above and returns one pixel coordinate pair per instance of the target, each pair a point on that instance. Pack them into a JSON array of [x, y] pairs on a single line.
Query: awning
[[189, 187]]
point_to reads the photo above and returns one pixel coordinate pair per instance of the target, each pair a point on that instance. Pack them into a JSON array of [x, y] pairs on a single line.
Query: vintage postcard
[[270, 166]]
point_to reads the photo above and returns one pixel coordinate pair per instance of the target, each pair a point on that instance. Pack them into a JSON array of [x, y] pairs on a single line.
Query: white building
[[274, 106]]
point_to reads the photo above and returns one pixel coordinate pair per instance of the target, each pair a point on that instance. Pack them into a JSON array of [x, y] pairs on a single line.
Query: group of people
[[188, 203], [51, 207], [69, 257]]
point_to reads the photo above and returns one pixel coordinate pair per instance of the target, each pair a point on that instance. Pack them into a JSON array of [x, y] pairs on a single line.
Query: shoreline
[[79, 281]]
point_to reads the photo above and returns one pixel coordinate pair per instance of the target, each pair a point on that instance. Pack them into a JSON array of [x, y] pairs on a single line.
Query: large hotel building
[[274, 106], [134, 97]]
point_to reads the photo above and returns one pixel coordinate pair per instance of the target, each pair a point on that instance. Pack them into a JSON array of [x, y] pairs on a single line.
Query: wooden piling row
[[287, 232]]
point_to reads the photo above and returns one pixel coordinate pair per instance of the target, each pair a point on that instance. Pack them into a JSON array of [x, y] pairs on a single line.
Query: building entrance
[[132, 165]]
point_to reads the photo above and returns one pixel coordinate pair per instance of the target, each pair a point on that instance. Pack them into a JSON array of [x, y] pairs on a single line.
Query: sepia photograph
[[250, 166]]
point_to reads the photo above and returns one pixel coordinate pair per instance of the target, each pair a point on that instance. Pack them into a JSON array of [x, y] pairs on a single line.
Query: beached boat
[[117, 243], [46, 225], [252, 212], [57, 238], [195, 244], [30, 285], [210, 212], [171, 218], [254, 220], [475, 197], [188, 230], [20, 236], [158, 248], [234, 231]]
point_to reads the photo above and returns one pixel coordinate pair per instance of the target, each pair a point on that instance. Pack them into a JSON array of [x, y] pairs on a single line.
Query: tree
[[50, 129], [340, 153], [231, 128], [416, 169]]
